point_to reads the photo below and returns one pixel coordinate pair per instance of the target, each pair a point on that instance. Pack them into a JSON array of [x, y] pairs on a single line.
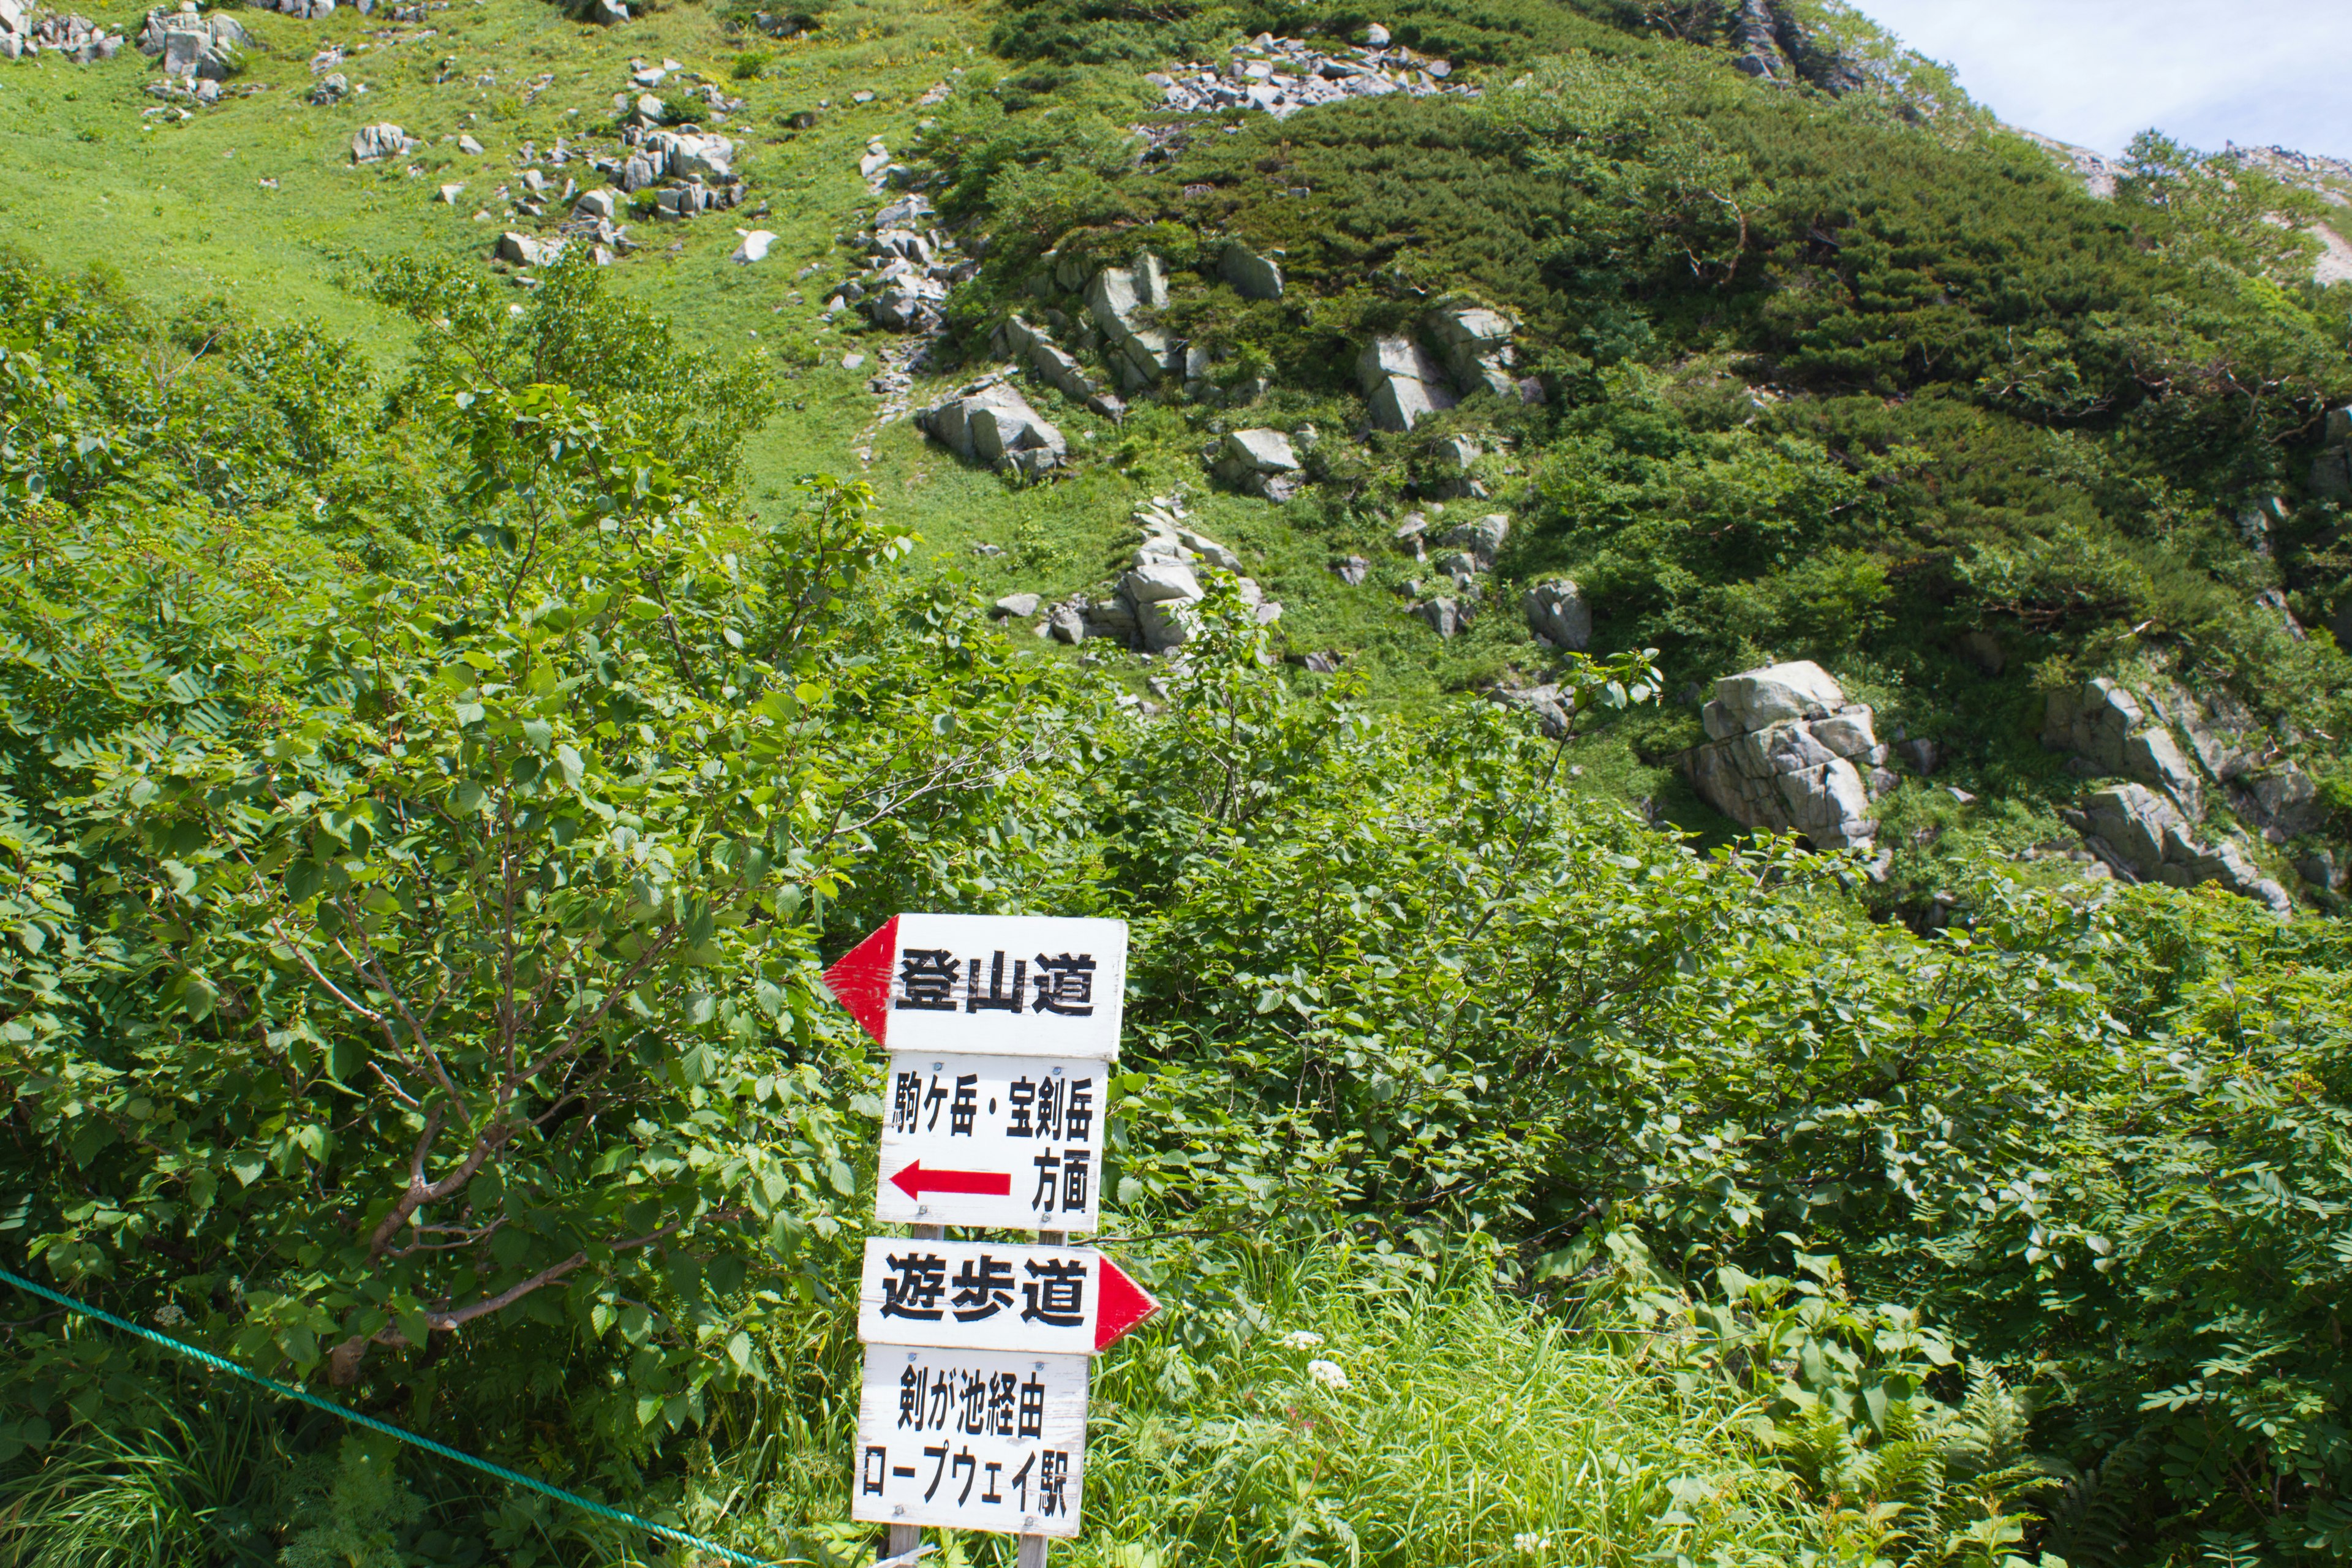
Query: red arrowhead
[[1120, 1304], [860, 980], [914, 1181]]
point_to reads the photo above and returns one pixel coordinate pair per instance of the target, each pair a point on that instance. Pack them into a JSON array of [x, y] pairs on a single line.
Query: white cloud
[[2098, 72]]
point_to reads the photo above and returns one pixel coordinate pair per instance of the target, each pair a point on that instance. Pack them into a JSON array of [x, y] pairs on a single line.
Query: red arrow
[[1119, 1304], [914, 1181], [860, 980]]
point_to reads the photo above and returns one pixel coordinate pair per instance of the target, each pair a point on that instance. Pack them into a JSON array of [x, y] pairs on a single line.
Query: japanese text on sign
[[1010, 1143], [993, 1295], [989, 983], [975, 1440]]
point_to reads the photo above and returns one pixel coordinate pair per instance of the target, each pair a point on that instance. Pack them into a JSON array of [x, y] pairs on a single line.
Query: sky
[[2098, 72]]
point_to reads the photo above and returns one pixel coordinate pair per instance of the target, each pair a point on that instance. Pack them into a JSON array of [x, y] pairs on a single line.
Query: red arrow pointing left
[[860, 980], [914, 1181]]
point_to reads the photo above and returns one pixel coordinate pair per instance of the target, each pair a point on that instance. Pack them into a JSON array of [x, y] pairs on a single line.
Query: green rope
[[285, 1391]]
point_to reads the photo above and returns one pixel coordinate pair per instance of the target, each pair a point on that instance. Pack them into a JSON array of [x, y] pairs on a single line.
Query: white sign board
[[995, 1296], [970, 1440], [998, 1142], [1040, 985]]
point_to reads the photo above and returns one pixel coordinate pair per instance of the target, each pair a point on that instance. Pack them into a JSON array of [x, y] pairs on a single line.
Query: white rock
[[1265, 451], [1800, 690], [1481, 538], [1556, 611], [385, 140], [754, 247]]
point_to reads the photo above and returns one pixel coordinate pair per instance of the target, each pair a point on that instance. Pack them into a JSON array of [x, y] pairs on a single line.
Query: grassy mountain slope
[[1841, 378]]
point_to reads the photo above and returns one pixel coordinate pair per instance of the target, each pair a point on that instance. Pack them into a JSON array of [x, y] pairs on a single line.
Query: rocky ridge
[[1787, 752], [1151, 607], [1282, 76], [26, 32]]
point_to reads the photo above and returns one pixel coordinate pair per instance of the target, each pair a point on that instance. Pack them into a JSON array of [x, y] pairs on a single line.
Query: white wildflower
[[1302, 1339], [1527, 1540], [169, 1315], [1328, 1374]]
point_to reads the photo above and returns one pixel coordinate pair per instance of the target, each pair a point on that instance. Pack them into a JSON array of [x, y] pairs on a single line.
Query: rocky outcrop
[[2134, 732], [2102, 724], [1056, 366], [1151, 607], [1555, 612], [2143, 837], [1404, 382], [1471, 548], [1116, 297], [1773, 46], [1261, 461], [910, 268], [1465, 553], [372, 144], [989, 422], [1282, 76], [193, 47], [1401, 382], [1476, 344], [24, 33], [1552, 709], [1254, 277], [1788, 751]]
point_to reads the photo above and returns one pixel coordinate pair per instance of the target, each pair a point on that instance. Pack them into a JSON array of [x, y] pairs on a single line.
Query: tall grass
[[1473, 1428], [158, 1487]]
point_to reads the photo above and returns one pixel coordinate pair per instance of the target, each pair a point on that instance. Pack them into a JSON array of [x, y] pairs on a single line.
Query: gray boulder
[[1016, 606], [1261, 451], [2279, 802], [2143, 836], [526, 250], [371, 144], [1555, 612], [1790, 753], [1480, 539], [1547, 705], [1476, 344], [1760, 697], [1446, 617], [1163, 592], [992, 423], [1260, 461], [1401, 382], [1115, 298], [1254, 277]]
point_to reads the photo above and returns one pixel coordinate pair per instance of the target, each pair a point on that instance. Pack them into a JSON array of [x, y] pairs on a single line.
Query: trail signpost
[[1001, 1032]]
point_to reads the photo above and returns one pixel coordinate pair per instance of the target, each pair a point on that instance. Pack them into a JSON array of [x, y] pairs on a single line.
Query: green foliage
[[1345, 1406], [415, 981]]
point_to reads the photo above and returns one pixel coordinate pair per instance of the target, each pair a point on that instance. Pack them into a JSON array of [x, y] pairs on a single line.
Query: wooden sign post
[[1001, 1032]]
